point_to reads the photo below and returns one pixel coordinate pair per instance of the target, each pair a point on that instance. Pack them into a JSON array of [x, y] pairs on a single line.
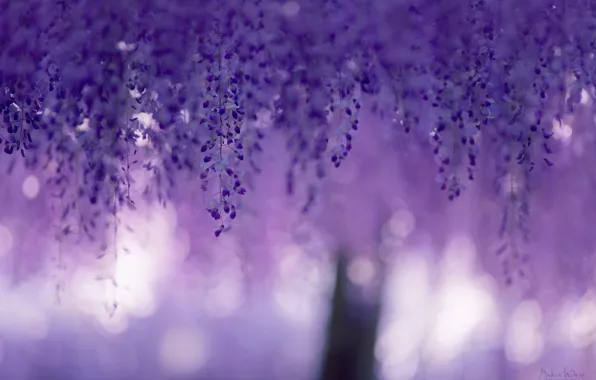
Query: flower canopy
[[196, 93]]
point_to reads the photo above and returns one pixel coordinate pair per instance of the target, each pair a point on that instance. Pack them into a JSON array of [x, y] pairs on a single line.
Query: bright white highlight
[[459, 255], [222, 290], [134, 273], [397, 349], [463, 303], [352, 65], [432, 317], [120, 285], [135, 94], [148, 122], [562, 130], [463, 306], [301, 284], [143, 258], [185, 115], [146, 119], [21, 312], [524, 341], [361, 271], [264, 119], [511, 184], [290, 8], [182, 351], [402, 223], [399, 227], [123, 46], [84, 126], [580, 321], [409, 286], [6, 240], [585, 97], [225, 297], [112, 321], [31, 187]]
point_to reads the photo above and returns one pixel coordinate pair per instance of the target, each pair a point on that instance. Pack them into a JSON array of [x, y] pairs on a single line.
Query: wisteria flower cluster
[[99, 89]]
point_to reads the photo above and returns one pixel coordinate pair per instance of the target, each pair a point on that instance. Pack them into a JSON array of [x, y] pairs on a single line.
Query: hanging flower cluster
[[101, 88]]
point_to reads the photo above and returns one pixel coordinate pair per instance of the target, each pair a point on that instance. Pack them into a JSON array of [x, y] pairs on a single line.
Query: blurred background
[[404, 311], [382, 280]]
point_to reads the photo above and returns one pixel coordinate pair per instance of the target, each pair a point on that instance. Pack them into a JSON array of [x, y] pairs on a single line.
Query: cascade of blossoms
[[94, 90]]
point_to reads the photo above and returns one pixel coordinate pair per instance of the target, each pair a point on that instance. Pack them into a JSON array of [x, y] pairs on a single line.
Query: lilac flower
[[480, 79]]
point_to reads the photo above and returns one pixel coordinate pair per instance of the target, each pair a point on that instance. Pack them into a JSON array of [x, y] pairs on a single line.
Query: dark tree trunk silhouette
[[352, 332]]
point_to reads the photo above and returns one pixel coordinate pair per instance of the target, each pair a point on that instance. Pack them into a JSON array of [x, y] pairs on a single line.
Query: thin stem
[[127, 147], [115, 252], [219, 104], [59, 258]]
